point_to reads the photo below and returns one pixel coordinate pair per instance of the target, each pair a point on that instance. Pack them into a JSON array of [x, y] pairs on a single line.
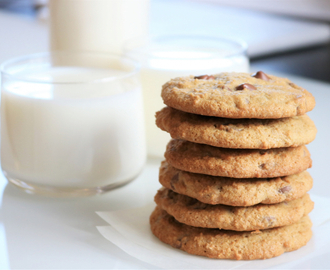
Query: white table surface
[[46, 233]]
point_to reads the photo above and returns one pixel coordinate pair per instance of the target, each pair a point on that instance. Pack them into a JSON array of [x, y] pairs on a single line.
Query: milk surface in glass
[[71, 135], [162, 62]]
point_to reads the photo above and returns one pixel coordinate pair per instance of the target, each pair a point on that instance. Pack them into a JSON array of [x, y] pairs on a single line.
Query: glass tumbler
[[166, 57], [71, 123]]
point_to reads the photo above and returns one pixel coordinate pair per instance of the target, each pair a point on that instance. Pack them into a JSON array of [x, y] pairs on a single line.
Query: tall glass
[[96, 25], [71, 123], [167, 57]]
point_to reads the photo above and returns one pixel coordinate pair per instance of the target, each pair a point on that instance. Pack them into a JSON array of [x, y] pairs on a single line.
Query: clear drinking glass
[[96, 25], [71, 123], [167, 57]]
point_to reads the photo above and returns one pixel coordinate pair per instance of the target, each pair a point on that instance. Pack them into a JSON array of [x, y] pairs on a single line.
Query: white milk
[[156, 71], [71, 135], [96, 25]]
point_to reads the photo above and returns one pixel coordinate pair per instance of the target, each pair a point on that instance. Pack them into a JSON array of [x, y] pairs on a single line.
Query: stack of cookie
[[235, 180]]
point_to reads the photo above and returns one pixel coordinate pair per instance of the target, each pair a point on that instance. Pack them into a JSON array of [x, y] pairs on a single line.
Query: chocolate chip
[[270, 220], [261, 75], [263, 152], [174, 180], [195, 204], [246, 86], [204, 77], [178, 244], [285, 189], [170, 194]]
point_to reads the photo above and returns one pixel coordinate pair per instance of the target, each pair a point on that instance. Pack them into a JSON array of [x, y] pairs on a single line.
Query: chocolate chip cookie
[[238, 95], [237, 133], [221, 244], [261, 216], [237, 163], [235, 191]]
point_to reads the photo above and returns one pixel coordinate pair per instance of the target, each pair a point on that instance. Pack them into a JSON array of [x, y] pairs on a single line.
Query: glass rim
[[242, 45], [17, 60]]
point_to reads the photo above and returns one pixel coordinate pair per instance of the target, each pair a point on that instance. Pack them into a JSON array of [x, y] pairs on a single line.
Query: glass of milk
[[71, 123], [166, 57], [96, 25]]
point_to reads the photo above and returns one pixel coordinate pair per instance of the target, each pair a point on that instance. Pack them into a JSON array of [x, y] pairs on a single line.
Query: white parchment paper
[[129, 230]]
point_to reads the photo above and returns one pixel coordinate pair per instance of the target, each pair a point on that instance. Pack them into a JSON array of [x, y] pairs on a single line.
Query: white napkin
[[131, 232]]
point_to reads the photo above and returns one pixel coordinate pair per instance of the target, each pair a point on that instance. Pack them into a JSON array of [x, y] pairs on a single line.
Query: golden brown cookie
[[237, 95], [221, 244], [237, 163], [235, 191], [261, 216], [237, 133]]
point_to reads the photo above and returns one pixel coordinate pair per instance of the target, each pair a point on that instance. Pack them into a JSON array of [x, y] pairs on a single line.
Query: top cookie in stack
[[238, 95], [237, 163]]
